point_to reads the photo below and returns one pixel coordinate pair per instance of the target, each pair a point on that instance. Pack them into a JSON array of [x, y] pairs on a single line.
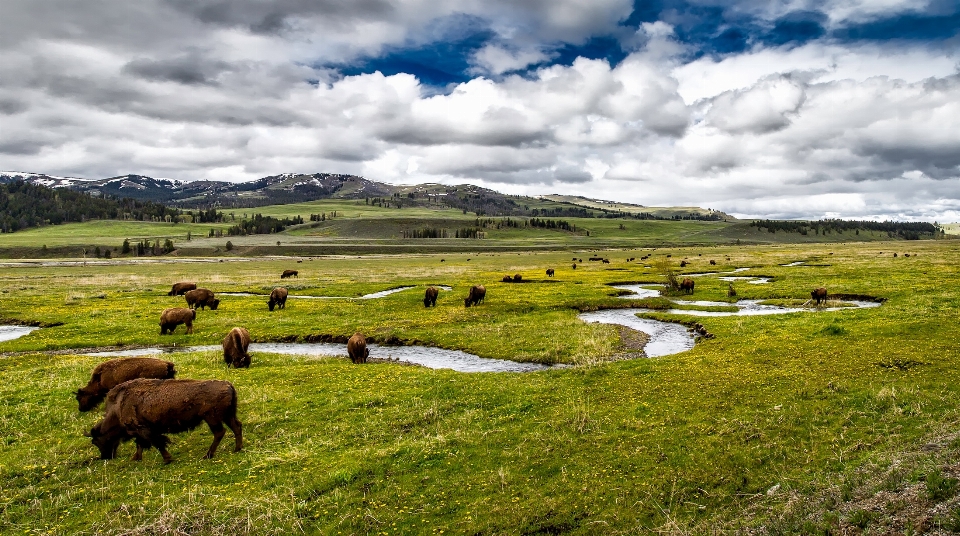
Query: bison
[[507, 279], [477, 293], [687, 285], [574, 266], [357, 348], [201, 298], [430, 297], [713, 262], [550, 272], [278, 298], [180, 288], [235, 346], [517, 278], [110, 374], [174, 316], [605, 261], [146, 409], [819, 296], [289, 273], [683, 264]]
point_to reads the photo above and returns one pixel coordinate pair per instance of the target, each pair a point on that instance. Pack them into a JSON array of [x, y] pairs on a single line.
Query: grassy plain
[[784, 412]]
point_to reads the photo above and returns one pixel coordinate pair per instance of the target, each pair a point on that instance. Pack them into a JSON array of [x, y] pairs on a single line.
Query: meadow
[[779, 424]]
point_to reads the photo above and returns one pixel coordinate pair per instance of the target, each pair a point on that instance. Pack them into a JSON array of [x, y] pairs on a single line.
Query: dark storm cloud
[[11, 106], [186, 69], [276, 16]]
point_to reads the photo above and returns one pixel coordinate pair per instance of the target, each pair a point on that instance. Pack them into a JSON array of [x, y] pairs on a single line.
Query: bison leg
[[141, 444], [237, 429], [218, 433], [189, 328]]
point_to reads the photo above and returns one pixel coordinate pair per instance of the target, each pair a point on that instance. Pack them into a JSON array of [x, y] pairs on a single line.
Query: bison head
[[271, 304], [466, 302], [106, 440], [215, 304], [87, 399]]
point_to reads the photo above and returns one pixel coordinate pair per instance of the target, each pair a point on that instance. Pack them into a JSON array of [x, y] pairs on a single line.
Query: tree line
[[894, 229], [24, 205]]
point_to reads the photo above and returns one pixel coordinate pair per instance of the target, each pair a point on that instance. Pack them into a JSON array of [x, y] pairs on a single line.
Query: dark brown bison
[[819, 296], [110, 374], [430, 297], [477, 293], [687, 285], [574, 266], [507, 279], [235, 346], [174, 316], [595, 259], [550, 272], [278, 298], [201, 298], [713, 262], [605, 261], [180, 288], [357, 348], [146, 409], [517, 278], [289, 273], [580, 261], [683, 264]]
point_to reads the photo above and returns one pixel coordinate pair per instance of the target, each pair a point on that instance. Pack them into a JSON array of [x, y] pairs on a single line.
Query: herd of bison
[[144, 401]]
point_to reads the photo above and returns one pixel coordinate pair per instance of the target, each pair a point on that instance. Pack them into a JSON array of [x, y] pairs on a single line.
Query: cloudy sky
[[789, 109]]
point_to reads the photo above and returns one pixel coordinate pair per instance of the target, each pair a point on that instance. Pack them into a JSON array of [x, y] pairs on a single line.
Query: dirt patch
[[632, 342]]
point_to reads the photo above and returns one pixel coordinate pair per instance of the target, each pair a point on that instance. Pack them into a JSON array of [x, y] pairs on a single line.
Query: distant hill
[[693, 213], [289, 188]]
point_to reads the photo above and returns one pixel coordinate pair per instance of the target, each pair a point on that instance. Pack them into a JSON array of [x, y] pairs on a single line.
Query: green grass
[[685, 442]]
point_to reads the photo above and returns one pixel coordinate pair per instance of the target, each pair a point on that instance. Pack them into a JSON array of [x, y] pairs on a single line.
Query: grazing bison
[[517, 278], [550, 272], [477, 293], [146, 409], [687, 285], [289, 273], [180, 288], [574, 266], [235, 346], [819, 296], [110, 374], [683, 264], [507, 279], [605, 261], [430, 297], [278, 298], [174, 316], [357, 348], [201, 298], [713, 262], [580, 261]]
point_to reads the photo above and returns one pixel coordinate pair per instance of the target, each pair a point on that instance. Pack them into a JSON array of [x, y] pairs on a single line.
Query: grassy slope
[[691, 440]]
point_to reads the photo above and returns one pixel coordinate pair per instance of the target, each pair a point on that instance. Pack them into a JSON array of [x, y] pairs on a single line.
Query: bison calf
[[477, 293], [430, 297], [180, 288], [146, 409], [235, 346], [357, 348], [278, 298], [201, 298], [173, 317], [289, 273], [110, 374]]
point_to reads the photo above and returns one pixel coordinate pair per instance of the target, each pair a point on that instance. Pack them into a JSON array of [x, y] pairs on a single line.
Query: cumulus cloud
[[238, 90]]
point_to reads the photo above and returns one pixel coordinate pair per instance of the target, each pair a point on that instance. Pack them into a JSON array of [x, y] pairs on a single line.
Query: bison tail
[[171, 371]]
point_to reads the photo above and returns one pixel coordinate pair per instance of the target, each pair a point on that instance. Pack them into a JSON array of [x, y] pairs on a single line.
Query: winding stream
[[372, 296], [8, 333]]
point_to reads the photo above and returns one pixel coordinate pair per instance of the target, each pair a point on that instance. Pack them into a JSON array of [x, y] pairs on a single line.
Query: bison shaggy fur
[[278, 298], [430, 297], [110, 374], [357, 348], [550, 272], [235, 346], [819, 295], [289, 273], [174, 316], [181, 288], [477, 293], [146, 409], [687, 285], [201, 298]]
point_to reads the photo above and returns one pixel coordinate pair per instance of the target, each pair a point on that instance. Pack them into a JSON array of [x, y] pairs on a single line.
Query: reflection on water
[[8, 333], [436, 358]]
